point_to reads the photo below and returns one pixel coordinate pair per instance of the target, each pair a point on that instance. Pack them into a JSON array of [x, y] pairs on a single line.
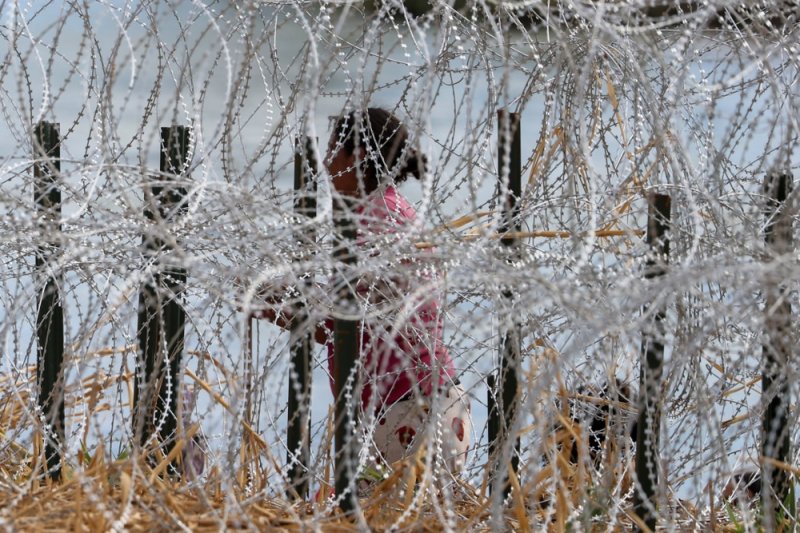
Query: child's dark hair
[[386, 151]]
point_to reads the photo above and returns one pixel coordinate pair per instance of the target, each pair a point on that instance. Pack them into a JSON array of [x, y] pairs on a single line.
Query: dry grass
[[101, 494]]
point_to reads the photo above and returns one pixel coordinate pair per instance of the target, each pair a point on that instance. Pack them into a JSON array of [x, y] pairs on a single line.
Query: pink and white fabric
[[401, 430], [403, 355]]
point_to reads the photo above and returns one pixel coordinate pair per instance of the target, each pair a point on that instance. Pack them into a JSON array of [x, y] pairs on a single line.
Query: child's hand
[[272, 302], [273, 295], [265, 294]]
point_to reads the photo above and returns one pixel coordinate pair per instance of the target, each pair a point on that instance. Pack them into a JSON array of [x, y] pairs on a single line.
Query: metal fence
[[607, 218]]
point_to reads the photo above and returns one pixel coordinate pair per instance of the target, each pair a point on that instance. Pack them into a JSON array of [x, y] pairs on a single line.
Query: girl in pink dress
[[404, 359], [407, 376]]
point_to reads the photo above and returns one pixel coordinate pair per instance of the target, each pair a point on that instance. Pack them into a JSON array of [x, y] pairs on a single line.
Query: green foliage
[[123, 454], [85, 456], [738, 526], [787, 513], [784, 519]]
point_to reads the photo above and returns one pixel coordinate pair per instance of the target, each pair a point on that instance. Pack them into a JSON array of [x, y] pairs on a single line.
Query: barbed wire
[[616, 100]]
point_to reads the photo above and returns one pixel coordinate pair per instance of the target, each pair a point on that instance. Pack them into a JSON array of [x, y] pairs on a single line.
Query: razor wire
[[616, 99]]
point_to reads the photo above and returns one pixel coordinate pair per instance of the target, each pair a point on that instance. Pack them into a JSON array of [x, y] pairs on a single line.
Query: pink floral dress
[[403, 356]]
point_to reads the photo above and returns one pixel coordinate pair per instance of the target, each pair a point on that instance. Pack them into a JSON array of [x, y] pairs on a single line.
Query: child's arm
[[283, 318]]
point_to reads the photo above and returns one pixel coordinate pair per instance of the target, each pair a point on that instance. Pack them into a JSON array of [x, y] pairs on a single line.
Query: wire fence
[[612, 104]]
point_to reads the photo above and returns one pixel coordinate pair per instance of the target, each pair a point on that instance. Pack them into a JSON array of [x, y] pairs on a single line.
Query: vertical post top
[[173, 161], [778, 230], [47, 143], [176, 130], [658, 216], [174, 149], [44, 127], [504, 114], [658, 224], [305, 171], [509, 167], [47, 166], [777, 187]]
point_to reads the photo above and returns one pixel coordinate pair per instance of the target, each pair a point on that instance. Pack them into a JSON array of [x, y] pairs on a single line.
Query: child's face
[[342, 168]]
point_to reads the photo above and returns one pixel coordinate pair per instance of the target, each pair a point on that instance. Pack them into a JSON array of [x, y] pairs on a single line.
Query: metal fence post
[[346, 347], [298, 429], [50, 314], [162, 319], [777, 489], [651, 367], [509, 157]]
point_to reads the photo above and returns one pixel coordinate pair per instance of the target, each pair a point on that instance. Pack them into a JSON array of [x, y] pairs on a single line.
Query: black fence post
[[50, 314], [162, 319], [777, 489], [651, 368], [509, 170], [492, 417], [346, 349], [298, 429]]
